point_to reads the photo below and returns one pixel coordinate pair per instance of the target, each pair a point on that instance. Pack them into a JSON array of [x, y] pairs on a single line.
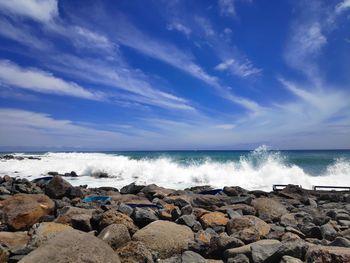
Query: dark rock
[[235, 191], [125, 209], [289, 259], [143, 217], [186, 210], [328, 232], [58, 188], [340, 242], [311, 231], [115, 235], [245, 209], [240, 258], [53, 173], [295, 249], [326, 254], [100, 174], [218, 244], [190, 221], [261, 252], [82, 222], [67, 214], [131, 189], [269, 209], [113, 217]]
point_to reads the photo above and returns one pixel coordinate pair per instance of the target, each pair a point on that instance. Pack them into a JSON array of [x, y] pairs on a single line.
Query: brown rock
[[14, 240], [269, 209], [135, 251], [213, 219], [21, 211], [246, 209], [131, 199], [248, 228], [164, 237], [115, 235], [113, 217], [327, 254], [73, 246], [40, 233], [67, 213]]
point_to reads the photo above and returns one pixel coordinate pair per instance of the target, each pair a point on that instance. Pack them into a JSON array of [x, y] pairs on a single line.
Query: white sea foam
[[259, 170]]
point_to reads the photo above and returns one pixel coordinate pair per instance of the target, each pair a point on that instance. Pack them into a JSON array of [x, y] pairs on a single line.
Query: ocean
[[257, 169]]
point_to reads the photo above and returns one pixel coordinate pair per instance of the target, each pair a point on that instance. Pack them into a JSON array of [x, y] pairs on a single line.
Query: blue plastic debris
[[96, 198], [145, 205], [45, 179]]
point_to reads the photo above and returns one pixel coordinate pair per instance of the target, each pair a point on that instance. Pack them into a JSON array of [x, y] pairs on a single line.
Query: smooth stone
[[269, 209], [213, 219], [191, 257], [289, 259], [42, 232], [58, 188], [115, 235]]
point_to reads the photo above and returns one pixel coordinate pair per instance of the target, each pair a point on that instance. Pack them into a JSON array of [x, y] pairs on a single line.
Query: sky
[[174, 74]]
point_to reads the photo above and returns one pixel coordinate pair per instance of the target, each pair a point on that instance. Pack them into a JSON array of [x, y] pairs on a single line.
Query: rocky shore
[[49, 220]]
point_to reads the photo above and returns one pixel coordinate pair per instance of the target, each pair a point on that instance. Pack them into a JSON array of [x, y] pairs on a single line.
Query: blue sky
[[174, 74]]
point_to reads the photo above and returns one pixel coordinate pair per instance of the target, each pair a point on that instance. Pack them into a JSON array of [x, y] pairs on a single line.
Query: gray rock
[[82, 222], [4, 254], [186, 210], [58, 188], [240, 258], [328, 232], [190, 221], [135, 251], [191, 257], [143, 217], [131, 189], [234, 191], [125, 209], [260, 252], [289, 259], [115, 235], [340, 242], [72, 246]]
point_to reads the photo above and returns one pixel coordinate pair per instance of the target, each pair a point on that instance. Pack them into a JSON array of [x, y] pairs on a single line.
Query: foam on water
[[259, 170]]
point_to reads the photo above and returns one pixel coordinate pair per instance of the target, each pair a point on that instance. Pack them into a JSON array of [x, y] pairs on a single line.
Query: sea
[[256, 169]]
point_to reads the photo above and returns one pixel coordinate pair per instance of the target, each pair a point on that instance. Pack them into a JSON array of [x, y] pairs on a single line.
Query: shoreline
[[148, 223]]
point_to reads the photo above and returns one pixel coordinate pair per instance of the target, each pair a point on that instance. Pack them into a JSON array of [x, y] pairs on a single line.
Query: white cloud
[[342, 6], [41, 81], [244, 70], [179, 27], [225, 126], [40, 10], [227, 7]]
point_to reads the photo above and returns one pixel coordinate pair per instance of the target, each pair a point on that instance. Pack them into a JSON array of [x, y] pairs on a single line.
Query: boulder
[[214, 219], [269, 209], [42, 232], [21, 211], [247, 228], [131, 199], [73, 246], [113, 217], [131, 189], [289, 259], [327, 254], [115, 235], [261, 252], [133, 252], [14, 240], [246, 209], [340, 242], [58, 188], [67, 213], [190, 221], [190, 257], [328, 232], [143, 217], [240, 258], [234, 191], [165, 238]]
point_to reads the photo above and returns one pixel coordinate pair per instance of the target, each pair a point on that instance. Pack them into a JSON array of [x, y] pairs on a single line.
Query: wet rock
[[42, 232], [327, 254], [133, 252], [248, 228], [131, 189], [190, 257], [113, 217], [100, 174], [21, 211], [214, 219], [165, 238], [14, 240], [115, 235], [269, 209], [143, 217], [72, 246]]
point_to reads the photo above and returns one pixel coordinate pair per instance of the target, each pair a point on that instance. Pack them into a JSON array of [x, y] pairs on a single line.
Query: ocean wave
[[258, 170]]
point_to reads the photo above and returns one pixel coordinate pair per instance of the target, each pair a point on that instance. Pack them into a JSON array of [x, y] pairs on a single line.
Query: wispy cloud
[[342, 6], [42, 81], [245, 69], [179, 27], [227, 7]]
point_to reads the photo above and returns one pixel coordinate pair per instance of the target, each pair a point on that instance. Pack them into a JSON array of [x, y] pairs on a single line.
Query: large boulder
[[58, 188], [135, 251], [327, 254], [248, 228], [42, 232], [73, 246], [67, 214], [14, 240], [21, 211], [269, 209], [165, 238], [214, 219], [115, 235]]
